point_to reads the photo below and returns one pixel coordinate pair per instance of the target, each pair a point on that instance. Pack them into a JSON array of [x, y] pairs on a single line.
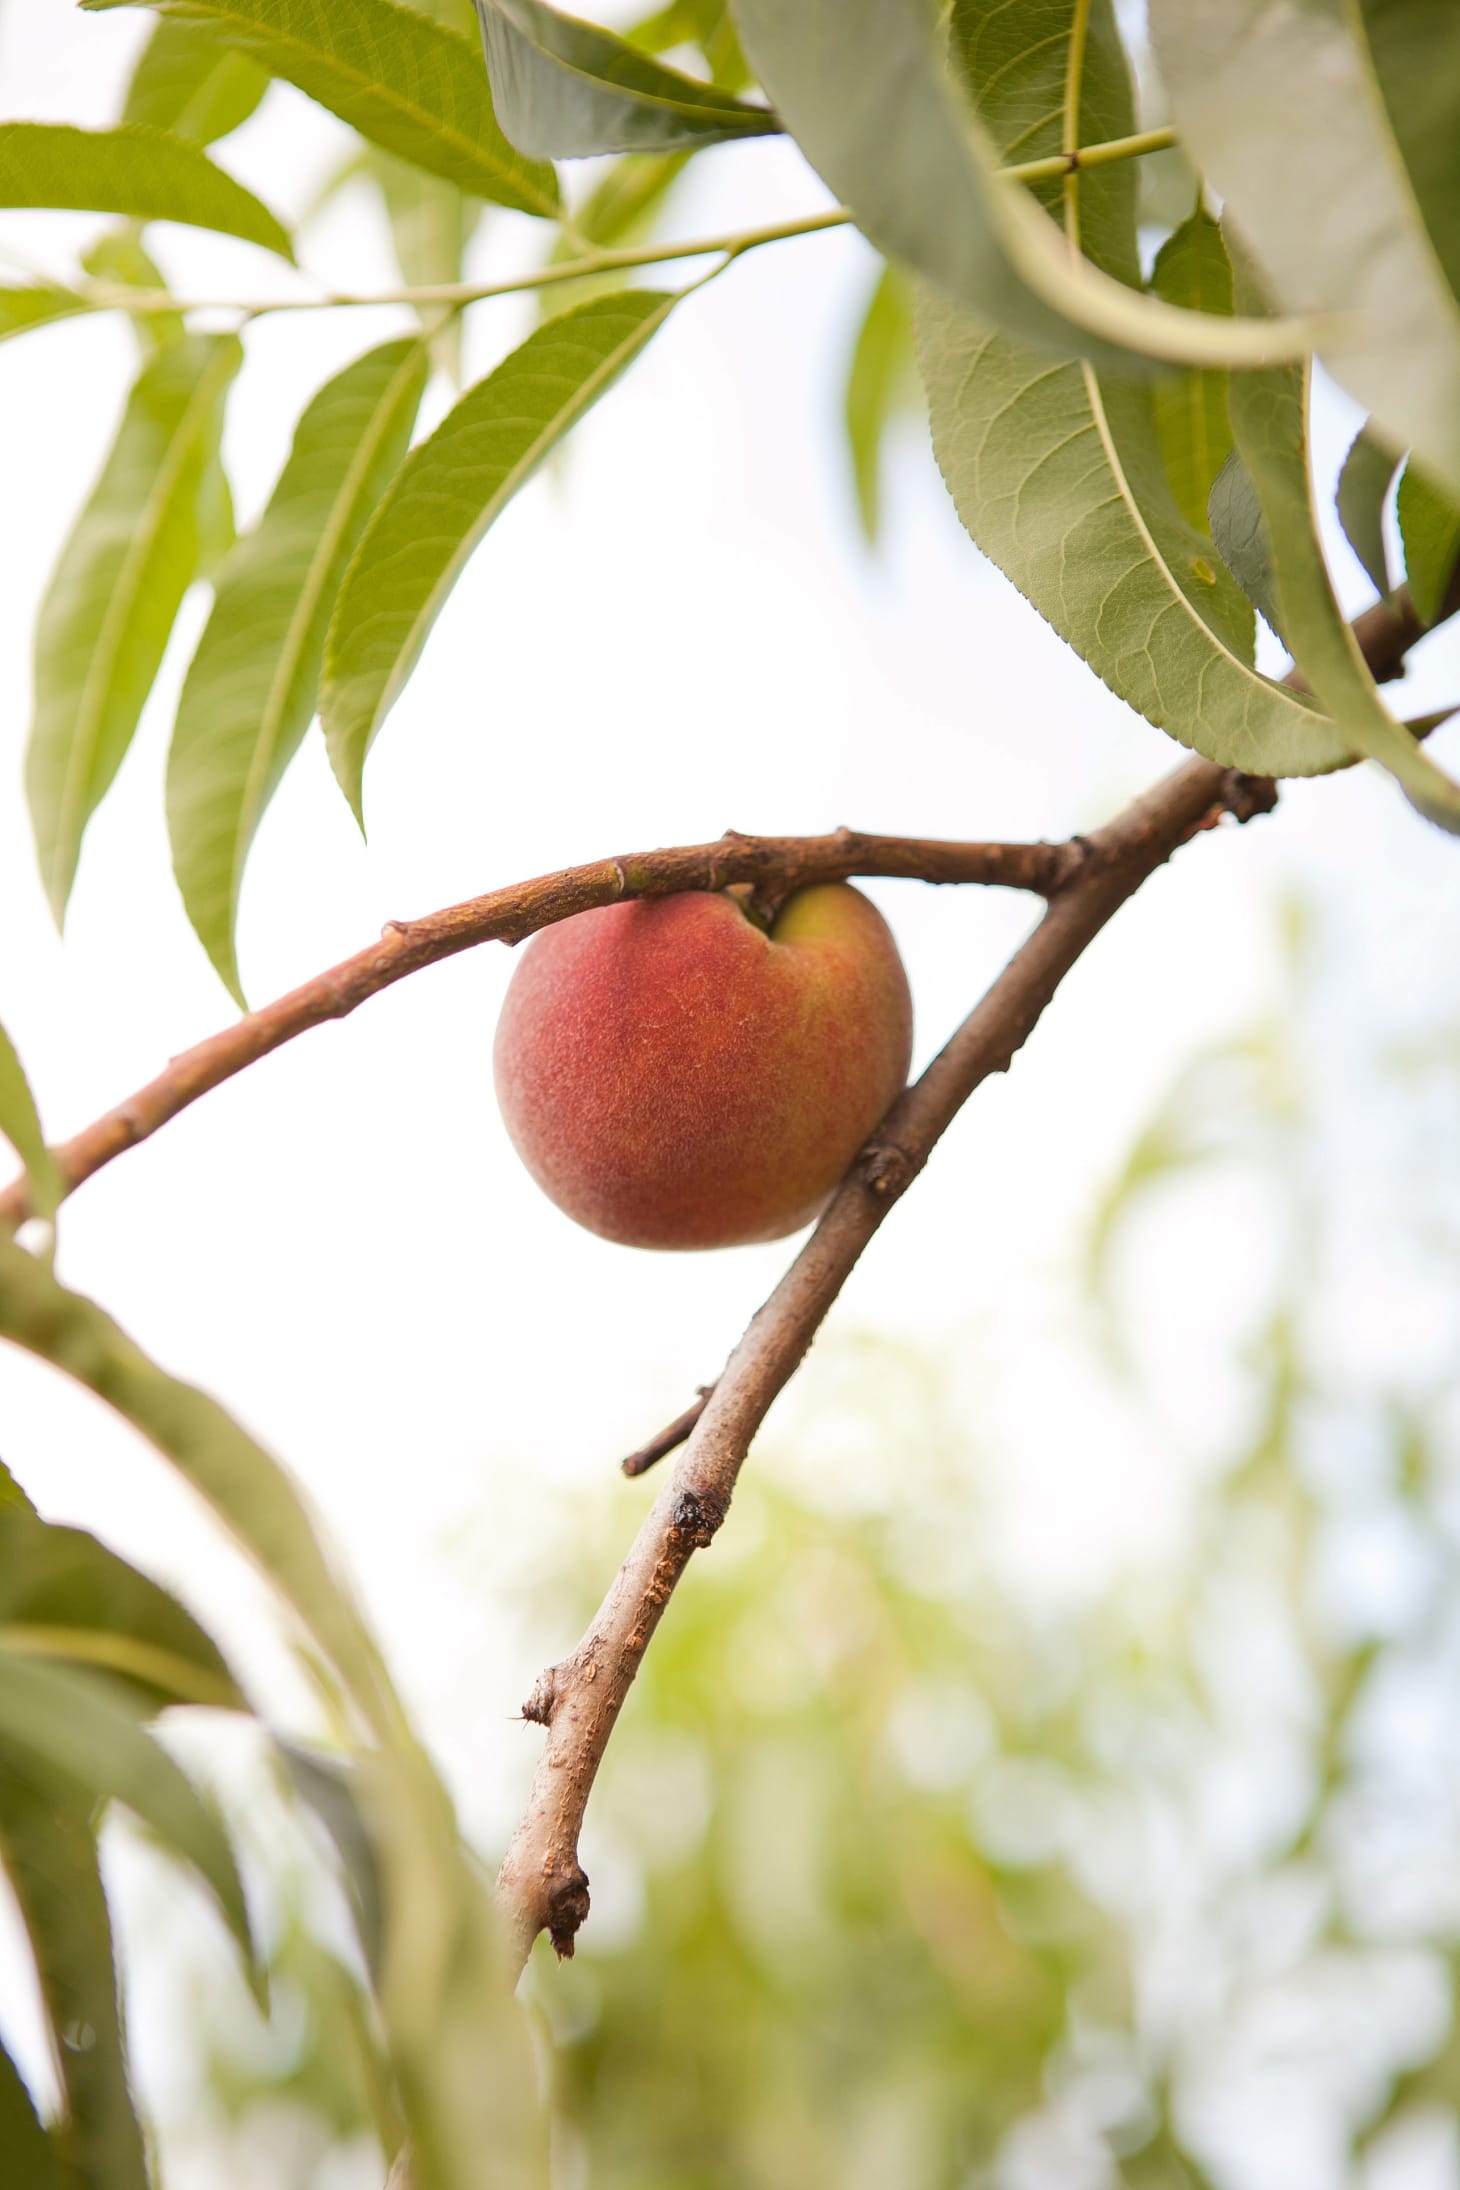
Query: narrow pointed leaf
[[1192, 425], [1429, 525], [1414, 50], [185, 83], [250, 691], [408, 84], [32, 2160], [1270, 423], [1056, 470], [81, 1727], [24, 308], [63, 1594], [938, 205], [882, 367], [49, 1855], [447, 493], [1239, 534], [1319, 188], [565, 89], [329, 1787], [109, 611], [139, 172], [20, 1123], [1363, 488]]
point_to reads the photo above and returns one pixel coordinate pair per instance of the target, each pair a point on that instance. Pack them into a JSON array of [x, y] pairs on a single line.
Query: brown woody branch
[[542, 1885], [670, 1438], [768, 868]]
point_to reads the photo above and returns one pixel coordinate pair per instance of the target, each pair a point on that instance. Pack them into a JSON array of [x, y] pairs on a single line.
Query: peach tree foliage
[[1119, 386]]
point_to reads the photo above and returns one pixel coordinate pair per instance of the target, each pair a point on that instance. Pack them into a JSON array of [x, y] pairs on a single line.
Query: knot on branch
[[696, 1516], [1245, 797], [887, 1168], [539, 1705], [566, 1903]]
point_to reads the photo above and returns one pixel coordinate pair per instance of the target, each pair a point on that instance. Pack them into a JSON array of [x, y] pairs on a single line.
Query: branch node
[[566, 1902], [539, 1705], [697, 1515], [1245, 797], [888, 1168]]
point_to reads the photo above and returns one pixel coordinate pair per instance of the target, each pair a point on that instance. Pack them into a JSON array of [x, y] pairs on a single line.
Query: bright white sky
[[673, 631]]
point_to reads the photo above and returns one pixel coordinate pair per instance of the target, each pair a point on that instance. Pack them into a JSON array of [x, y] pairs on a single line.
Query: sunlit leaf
[[1363, 488], [878, 385], [1239, 533], [1056, 470], [445, 496], [184, 83], [707, 24], [20, 1123], [109, 610], [24, 308], [1270, 425], [49, 1856], [406, 83], [1192, 425], [937, 206], [65, 1595], [565, 89], [81, 1728], [139, 172], [118, 257], [1281, 107], [32, 2161], [250, 691], [1429, 526]]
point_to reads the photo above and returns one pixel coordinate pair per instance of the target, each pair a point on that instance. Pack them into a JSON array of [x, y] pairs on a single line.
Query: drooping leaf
[[1414, 50], [431, 224], [65, 1595], [110, 607], [1192, 425], [1429, 526], [139, 172], [20, 1123], [250, 690], [81, 1728], [882, 367], [1056, 470], [446, 495], [1317, 185], [1239, 534], [619, 208], [328, 1788], [185, 83], [22, 308], [1363, 488], [1270, 426], [408, 84], [32, 2161], [49, 1855], [938, 206], [565, 89]]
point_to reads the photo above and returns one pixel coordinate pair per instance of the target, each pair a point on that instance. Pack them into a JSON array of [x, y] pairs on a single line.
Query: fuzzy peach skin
[[673, 1076]]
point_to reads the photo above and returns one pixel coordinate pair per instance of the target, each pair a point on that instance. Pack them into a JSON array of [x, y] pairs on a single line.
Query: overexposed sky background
[[674, 630]]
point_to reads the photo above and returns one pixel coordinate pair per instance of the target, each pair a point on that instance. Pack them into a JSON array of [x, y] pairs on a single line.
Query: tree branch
[[770, 867], [542, 1885]]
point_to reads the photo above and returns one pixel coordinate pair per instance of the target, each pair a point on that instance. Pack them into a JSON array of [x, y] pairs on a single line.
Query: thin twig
[[770, 865], [542, 1885], [670, 1438]]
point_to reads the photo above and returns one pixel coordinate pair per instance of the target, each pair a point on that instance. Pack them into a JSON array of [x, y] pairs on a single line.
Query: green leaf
[[118, 257], [703, 23], [1056, 470], [1192, 425], [183, 83], [1414, 49], [1429, 526], [139, 172], [81, 1728], [20, 1123], [1316, 183], [1270, 425], [250, 691], [883, 366], [24, 308], [32, 2161], [1363, 488], [431, 224], [49, 1854], [445, 496], [1239, 533], [408, 84], [109, 610], [938, 205], [328, 1787], [566, 89], [65, 1595]]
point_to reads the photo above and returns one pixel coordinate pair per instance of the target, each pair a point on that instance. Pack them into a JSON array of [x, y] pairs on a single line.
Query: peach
[[672, 1075]]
